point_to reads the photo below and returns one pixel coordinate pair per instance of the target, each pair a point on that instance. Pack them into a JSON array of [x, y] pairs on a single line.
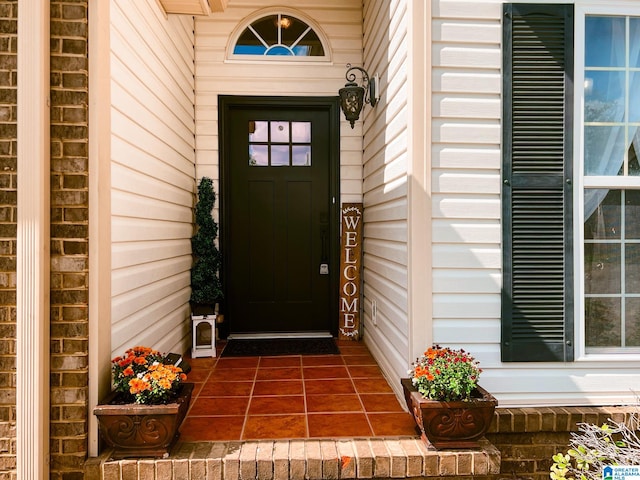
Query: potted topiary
[[449, 407], [206, 289]]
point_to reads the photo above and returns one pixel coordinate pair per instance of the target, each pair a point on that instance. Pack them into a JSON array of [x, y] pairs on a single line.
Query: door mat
[[263, 347]]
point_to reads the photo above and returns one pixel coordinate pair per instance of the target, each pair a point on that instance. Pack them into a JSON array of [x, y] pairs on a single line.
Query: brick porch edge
[[301, 460], [519, 443]]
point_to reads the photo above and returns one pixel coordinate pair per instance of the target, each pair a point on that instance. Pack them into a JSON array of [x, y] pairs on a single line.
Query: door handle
[[324, 259]]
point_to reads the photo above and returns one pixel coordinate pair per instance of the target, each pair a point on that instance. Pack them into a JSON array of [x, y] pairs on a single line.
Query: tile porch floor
[[324, 396]]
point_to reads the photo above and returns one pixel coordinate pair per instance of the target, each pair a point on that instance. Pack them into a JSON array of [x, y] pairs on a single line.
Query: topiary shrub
[[206, 288]]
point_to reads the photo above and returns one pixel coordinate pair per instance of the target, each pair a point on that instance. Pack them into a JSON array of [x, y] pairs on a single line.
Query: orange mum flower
[[124, 362], [137, 385]]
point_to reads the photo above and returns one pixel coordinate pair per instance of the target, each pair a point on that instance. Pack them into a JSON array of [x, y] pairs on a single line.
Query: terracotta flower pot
[[135, 430], [458, 424]]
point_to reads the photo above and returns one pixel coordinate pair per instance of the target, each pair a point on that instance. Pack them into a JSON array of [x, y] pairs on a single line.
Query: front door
[[280, 242]]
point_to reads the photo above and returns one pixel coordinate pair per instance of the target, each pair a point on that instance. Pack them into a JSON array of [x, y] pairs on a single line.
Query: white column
[[99, 210], [32, 409], [419, 187]]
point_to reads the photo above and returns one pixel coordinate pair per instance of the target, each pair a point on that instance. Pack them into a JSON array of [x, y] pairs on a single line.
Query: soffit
[[193, 7]]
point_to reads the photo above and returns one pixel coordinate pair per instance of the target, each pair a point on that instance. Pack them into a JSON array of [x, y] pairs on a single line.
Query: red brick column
[[69, 238]]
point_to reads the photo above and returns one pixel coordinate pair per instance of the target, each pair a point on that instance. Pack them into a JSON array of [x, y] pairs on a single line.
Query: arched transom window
[[279, 34]]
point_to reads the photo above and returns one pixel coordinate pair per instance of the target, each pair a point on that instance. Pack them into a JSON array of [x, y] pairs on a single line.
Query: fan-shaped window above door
[[281, 35]]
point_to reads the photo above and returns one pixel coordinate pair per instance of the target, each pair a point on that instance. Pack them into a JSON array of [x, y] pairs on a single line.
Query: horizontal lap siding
[[465, 178], [467, 270], [341, 22], [385, 187], [152, 83]]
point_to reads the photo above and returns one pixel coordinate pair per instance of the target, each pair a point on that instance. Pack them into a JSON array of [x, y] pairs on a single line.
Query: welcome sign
[[350, 271]]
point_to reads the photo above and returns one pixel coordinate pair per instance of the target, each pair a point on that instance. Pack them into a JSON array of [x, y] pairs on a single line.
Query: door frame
[[226, 105]]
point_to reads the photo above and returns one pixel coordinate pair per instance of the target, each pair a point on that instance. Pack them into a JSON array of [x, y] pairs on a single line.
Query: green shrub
[[205, 284]]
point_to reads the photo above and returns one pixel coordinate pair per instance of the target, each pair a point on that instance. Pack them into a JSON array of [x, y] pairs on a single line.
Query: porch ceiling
[[193, 7]]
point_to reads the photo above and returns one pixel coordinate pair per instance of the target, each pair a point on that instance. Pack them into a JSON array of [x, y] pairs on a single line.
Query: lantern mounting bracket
[[353, 96]]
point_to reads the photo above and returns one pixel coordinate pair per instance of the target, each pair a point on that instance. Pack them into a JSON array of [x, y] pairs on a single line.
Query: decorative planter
[[135, 430], [458, 424]]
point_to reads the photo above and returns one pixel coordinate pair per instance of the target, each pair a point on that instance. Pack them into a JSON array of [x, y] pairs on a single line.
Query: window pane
[[604, 41], [258, 131], [279, 155], [632, 322], [604, 149], [634, 42], [301, 132], [267, 29], [301, 51], [280, 132], [258, 155], [304, 41], [632, 268], [601, 268], [632, 214], [603, 208], [301, 155], [292, 29], [249, 44], [310, 45], [634, 97], [633, 152], [604, 96], [603, 327]]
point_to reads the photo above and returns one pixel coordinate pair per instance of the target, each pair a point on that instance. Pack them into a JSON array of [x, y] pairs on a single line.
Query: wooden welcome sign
[[350, 271]]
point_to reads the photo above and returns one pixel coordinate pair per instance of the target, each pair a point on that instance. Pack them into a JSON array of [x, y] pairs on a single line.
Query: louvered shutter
[[537, 303]]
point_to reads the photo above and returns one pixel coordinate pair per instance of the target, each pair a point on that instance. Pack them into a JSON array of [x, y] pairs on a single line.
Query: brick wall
[[8, 201], [69, 238], [528, 437]]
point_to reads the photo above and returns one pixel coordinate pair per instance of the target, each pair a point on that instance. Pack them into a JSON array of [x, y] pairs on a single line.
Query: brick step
[[301, 460]]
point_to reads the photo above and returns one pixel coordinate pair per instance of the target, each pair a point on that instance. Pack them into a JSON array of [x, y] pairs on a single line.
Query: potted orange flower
[[142, 415], [448, 405]]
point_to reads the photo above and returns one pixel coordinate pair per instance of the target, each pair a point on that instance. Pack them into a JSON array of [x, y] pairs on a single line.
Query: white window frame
[[275, 59], [582, 10]]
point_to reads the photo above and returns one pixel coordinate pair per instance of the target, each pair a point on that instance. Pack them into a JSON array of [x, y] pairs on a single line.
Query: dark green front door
[[279, 215]]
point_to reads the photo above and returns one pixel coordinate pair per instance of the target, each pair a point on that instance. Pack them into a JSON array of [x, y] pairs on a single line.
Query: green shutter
[[537, 303]]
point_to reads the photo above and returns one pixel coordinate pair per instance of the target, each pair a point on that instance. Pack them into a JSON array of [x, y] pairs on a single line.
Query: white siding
[[466, 175], [385, 187], [152, 171], [341, 23], [466, 211]]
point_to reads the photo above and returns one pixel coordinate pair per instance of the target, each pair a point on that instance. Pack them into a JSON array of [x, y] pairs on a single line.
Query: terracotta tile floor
[[324, 396]]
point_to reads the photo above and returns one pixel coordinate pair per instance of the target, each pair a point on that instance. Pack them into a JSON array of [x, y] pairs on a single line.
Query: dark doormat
[[245, 347]]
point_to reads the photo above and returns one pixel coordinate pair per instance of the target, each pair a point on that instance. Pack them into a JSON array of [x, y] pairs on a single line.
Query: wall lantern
[[353, 97]]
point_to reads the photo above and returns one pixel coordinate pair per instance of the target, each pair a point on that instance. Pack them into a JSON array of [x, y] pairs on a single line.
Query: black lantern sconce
[[353, 96]]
